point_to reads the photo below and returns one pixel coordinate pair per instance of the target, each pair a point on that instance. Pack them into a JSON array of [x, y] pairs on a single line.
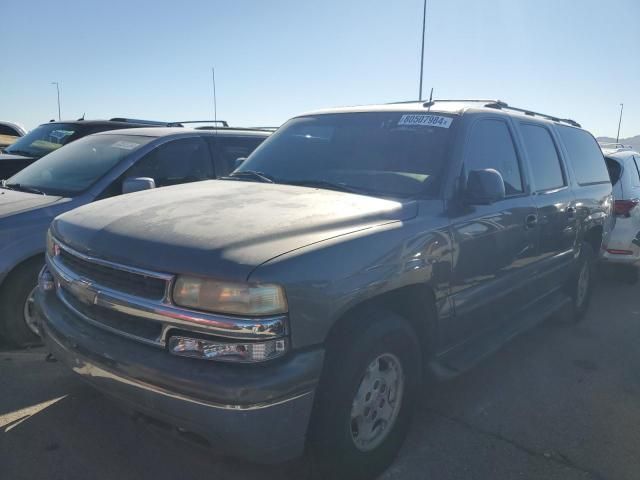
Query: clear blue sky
[[277, 58]]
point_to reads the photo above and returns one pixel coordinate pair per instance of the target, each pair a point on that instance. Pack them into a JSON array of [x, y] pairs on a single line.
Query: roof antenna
[[215, 106], [82, 117], [430, 102]]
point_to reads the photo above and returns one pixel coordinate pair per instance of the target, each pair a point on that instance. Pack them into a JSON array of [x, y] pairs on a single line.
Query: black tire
[[581, 295], [15, 290], [368, 337]]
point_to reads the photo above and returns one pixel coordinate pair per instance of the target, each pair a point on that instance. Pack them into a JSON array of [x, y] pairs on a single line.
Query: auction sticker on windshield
[[426, 120]]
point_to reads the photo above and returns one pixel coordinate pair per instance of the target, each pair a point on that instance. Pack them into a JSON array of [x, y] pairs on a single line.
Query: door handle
[[531, 221]]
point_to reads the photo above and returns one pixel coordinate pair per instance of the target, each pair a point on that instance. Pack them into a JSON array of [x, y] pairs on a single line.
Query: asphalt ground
[[559, 402]]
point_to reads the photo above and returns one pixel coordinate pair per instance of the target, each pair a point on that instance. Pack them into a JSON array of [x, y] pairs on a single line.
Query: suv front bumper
[[256, 412]]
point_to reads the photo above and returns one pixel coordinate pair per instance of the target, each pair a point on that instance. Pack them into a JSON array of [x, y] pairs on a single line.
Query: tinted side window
[[543, 156], [179, 161], [228, 149], [491, 146], [585, 155]]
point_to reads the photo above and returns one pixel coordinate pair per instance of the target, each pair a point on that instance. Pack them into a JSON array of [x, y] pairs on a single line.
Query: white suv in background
[[623, 246]]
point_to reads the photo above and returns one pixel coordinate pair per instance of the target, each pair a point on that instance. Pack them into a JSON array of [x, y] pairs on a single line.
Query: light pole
[[620, 122], [58, 89], [424, 25]]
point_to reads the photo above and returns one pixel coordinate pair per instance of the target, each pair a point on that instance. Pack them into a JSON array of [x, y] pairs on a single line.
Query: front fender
[[20, 245], [325, 280]]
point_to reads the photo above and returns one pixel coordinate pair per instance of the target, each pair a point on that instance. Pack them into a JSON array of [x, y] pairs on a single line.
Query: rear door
[[496, 244], [555, 203]]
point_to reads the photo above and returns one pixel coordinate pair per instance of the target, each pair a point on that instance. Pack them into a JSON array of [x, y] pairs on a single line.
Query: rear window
[[585, 156]]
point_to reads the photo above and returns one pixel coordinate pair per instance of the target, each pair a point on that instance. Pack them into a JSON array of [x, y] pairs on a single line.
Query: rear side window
[[491, 146], [543, 156], [585, 155]]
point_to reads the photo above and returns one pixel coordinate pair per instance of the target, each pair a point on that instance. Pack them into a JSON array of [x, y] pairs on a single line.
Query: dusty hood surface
[[219, 228], [12, 202]]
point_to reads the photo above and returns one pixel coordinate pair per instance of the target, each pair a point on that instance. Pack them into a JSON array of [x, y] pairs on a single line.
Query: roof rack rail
[[499, 104], [223, 123], [141, 122], [268, 129]]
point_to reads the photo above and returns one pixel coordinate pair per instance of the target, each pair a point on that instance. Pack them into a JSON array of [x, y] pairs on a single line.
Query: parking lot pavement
[[559, 402]]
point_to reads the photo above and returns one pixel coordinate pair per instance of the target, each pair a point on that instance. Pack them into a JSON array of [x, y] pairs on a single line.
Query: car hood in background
[[13, 202], [220, 228]]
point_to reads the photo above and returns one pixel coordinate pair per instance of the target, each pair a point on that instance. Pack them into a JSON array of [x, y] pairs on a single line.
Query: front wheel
[[365, 398], [17, 316]]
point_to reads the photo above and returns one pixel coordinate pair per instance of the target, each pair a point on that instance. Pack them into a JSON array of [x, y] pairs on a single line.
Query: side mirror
[[137, 184], [239, 161], [484, 187]]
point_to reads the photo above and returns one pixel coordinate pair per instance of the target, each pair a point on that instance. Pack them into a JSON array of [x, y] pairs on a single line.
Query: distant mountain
[[631, 141]]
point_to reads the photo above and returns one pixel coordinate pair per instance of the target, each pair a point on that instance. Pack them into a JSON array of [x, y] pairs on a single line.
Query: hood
[[13, 202], [219, 228]]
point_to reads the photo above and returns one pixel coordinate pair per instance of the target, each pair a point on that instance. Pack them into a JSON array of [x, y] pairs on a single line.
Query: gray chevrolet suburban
[[299, 302]]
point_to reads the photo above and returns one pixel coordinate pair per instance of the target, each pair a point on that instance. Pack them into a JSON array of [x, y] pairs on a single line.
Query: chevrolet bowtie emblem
[[83, 292]]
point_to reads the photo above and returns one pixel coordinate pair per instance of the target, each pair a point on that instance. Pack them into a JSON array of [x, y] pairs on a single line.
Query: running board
[[463, 357]]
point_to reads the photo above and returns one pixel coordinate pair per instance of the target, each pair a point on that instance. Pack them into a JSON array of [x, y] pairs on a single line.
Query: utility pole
[[619, 122], [424, 26], [58, 89]]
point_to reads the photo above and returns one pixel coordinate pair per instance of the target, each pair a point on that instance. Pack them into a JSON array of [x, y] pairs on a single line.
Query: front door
[[496, 244]]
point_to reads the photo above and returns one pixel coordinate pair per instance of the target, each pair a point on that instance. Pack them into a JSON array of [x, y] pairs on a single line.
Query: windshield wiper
[[340, 187], [263, 177], [18, 152], [22, 188]]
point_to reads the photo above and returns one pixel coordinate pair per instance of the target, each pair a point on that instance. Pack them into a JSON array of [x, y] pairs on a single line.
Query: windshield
[[45, 139], [77, 166], [383, 154]]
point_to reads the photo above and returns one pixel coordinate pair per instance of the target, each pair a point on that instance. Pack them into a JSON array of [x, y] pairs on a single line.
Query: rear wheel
[[580, 285], [17, 315], [365, 398]]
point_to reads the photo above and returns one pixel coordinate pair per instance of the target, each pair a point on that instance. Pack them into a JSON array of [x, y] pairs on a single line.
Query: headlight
[[228, 297], [53, 248]]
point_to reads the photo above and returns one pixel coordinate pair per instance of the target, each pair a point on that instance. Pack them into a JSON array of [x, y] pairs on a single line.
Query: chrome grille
[[131, 283], [137, 327]]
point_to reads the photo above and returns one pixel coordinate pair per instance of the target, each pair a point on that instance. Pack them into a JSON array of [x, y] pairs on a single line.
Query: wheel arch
[[416, 303]]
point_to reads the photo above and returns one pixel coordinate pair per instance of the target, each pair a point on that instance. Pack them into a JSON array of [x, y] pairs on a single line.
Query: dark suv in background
[[50, 136], [95, 167], [301, 300]]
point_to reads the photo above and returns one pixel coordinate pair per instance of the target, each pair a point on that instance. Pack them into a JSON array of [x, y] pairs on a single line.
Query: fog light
[[46, 281], [245, 352]]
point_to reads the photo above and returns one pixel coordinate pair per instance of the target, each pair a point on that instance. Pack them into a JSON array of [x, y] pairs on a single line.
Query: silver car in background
[[623, 246]]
